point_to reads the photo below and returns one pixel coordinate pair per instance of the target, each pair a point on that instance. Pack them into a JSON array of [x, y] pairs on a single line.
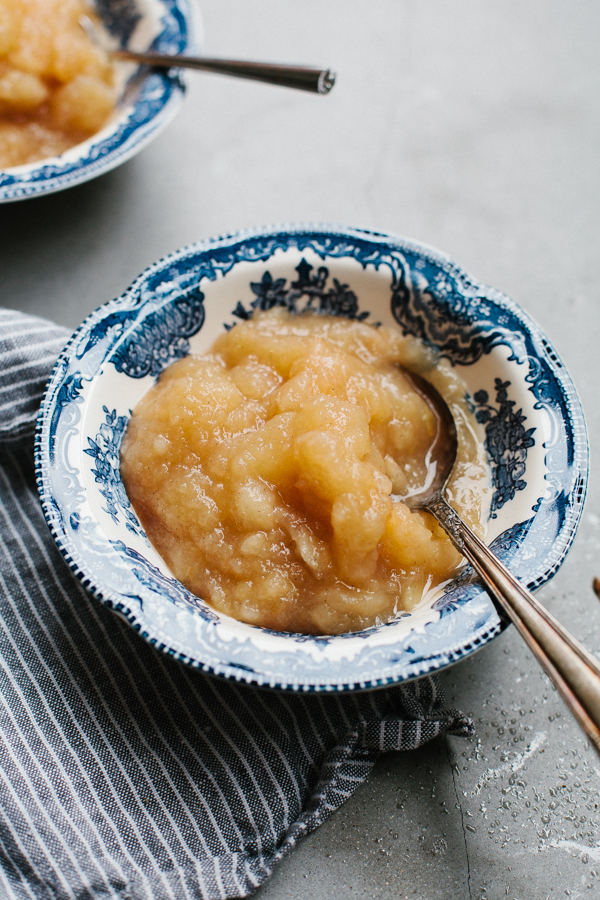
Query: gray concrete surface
[[473, 125]]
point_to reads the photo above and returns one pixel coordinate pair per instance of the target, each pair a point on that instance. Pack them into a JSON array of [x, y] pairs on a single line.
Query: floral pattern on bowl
[[535, 439], [148, 103]]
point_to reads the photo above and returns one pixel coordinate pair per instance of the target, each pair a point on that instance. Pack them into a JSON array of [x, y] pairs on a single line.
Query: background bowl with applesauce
[[532, 432], [145, 100]]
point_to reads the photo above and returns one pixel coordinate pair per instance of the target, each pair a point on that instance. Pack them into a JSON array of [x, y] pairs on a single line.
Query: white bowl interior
[[119, 394]]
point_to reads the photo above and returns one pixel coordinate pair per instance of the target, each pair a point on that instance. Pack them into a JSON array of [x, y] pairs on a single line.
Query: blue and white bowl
[[149, 98], [535, 440]]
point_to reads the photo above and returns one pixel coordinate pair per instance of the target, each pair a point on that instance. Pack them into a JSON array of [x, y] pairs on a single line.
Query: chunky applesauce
[[56, 86], [262, 472]]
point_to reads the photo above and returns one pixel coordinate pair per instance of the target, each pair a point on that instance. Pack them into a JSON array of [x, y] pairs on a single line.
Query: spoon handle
[[574, 671], [304, 78]]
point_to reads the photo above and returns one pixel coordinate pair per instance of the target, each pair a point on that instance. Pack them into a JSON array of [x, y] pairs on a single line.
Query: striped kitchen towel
[[124, 774]]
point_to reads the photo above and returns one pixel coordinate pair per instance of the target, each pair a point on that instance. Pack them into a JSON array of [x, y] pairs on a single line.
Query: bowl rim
[[119, 140], [451, 654]]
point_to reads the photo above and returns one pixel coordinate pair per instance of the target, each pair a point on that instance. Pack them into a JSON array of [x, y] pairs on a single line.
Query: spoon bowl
[[442, 453]]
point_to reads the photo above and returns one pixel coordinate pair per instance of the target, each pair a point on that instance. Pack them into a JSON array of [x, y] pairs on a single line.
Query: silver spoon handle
[[304, 78], [574, 671]]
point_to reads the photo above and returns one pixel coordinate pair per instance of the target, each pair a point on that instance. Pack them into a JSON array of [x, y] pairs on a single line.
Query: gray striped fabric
[[124, 774]]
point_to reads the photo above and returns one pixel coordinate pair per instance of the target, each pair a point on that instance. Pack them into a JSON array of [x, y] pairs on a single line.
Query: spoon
[[303, 78], [574, 671]]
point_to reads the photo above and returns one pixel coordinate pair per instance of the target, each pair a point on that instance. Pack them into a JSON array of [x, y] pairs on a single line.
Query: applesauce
[[262, 472], [56, 86]]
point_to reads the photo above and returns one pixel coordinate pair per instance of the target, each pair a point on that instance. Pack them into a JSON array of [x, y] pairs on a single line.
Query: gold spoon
[[303, 78], [574, 671]]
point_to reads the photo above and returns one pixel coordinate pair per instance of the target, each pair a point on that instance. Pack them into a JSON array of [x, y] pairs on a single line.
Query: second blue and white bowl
[[149, 99]]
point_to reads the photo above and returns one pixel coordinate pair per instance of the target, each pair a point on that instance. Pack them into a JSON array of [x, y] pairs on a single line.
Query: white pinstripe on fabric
[[34, 648]]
